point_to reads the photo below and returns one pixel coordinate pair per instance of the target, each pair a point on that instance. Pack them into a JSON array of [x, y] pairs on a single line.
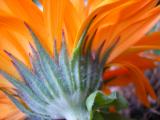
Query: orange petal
[[98, 11], [106, 90], [13, 46], [135, 32], [110, 32], [80, 7], [28, 12], [71, 29], [135, 59], [53, 14], [123, 80], [8, 111], [108, 74], [142, 84], [7, 66], [148, 42], [105, 22]]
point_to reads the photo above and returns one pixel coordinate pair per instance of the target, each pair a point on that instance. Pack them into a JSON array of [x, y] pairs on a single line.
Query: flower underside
[[57, 88]]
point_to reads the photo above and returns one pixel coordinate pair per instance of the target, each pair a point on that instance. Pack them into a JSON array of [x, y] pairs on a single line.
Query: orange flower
[[128, 20]]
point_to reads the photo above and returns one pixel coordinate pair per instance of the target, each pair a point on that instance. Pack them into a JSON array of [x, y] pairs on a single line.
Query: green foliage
[[98, 104]]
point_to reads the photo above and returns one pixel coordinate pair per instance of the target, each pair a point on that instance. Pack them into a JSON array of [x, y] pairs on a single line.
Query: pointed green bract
[[77, 56], [66, 68]]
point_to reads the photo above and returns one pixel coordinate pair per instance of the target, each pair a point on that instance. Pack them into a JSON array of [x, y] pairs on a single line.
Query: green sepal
[[76, 57], [64, 64], [56, 59], [108, 52], [91, 73], [33, 101], [53, 76], [30, 79]]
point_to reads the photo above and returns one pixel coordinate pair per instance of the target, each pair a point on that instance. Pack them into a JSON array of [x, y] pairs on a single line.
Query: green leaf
[[98, 101], [120, 102]]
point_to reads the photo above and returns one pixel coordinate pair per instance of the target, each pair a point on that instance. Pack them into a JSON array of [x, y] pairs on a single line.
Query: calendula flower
[[53, 58]]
